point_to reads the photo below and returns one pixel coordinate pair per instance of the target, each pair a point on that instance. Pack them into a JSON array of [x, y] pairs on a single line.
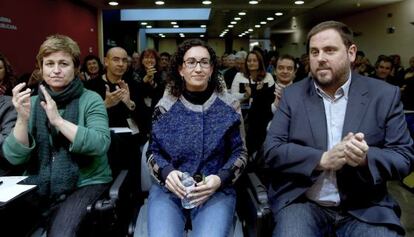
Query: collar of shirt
[[342, 91]]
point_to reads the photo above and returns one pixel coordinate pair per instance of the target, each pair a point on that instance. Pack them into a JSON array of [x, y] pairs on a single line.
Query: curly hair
[[9, 77], [175, 83]]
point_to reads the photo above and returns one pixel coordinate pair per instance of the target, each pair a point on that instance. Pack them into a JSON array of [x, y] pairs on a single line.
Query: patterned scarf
[[53, 168]]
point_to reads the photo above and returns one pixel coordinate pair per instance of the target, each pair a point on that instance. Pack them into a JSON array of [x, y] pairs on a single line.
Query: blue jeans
[[166, 217], [311, 220]]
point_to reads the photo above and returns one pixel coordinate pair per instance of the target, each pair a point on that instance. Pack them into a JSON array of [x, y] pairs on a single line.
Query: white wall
[[374, 39], [373, 25]]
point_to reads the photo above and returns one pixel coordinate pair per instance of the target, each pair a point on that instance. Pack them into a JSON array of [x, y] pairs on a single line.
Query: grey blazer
[[298, 136], [7, 119]]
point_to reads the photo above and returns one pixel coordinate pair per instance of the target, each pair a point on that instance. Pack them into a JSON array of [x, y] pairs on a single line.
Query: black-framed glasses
[[192, 63]]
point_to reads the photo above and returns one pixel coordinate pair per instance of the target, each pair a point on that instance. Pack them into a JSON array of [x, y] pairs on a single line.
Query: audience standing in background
[[7, 77], [197, 129], [334, 142], [63, 136], [255, 89]]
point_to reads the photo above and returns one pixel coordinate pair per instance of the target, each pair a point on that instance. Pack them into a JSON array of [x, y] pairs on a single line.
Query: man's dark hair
[[344, 31], [165, 54], [384, 58], [289, 57]]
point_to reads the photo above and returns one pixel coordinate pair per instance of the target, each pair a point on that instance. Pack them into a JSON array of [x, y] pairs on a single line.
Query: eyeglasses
[[192, 63]]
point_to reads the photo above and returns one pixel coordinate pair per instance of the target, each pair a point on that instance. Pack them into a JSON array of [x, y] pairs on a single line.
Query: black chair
[[110, 215]]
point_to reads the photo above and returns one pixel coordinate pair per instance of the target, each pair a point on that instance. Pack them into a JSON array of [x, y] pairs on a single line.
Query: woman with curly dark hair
[[197, 131], [7, 77], [91, 68]]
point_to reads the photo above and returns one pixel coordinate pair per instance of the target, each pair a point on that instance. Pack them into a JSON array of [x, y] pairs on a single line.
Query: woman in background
[[7, 77], [91, 68]]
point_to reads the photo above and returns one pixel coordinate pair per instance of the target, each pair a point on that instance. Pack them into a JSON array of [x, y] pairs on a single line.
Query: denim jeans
[[166, 217], [311, 220]]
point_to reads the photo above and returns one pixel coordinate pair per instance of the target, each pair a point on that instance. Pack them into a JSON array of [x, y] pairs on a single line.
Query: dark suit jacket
[[297, 139]]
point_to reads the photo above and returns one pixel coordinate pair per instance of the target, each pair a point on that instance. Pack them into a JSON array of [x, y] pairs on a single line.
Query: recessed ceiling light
[[113, 3], [237, 18], [253, 2], [299, 2], [270, 18], [144, 23], [233, 22], [263, 22], [159, 2], [242, 13], [279, 14], [149, 27], [203, 26], [230, 26], [176, 26], [173, 23], [201, 36], [257, 26], [250, 30], [206, 2]]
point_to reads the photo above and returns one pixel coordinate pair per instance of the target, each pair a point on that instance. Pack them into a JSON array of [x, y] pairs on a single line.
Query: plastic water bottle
[[189, 184]]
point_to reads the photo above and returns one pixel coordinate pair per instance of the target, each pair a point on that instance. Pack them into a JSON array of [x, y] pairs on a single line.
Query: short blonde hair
[[56, 43]]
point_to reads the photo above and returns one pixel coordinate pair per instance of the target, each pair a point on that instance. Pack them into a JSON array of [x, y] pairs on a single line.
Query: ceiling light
[[201, 36], [149, 27], [113, 3], [257, 26], [253, 2], [299, 2], [206, 2], [170, 14], [175, 30], [159, 2], [144, 23], [242, 13], [173, 23], [203, 26], [279, 14], [263, 22], [230, 26], [176, 26], [250, 30], [233, 22], [270, 18], [237, 18]]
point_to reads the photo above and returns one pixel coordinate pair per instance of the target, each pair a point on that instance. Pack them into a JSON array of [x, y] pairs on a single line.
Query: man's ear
[[352, 52]]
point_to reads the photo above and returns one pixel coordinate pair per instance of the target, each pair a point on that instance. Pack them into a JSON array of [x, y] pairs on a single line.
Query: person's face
[[285, 71], [2, 70], [240, 64], [231, 62], [384, 69], [164, 61], [196, 79], [92, 66], [329, 59], [58, 70], [116, 62], [135, 59], [149, 61], [252, 62]]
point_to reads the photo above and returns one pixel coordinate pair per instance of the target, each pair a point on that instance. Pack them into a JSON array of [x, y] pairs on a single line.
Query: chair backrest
[[146, 178]]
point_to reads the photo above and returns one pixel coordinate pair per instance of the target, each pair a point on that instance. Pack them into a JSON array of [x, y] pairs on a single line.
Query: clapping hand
[[49, 105], [113, 98], [356, 150], [21, 101]]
